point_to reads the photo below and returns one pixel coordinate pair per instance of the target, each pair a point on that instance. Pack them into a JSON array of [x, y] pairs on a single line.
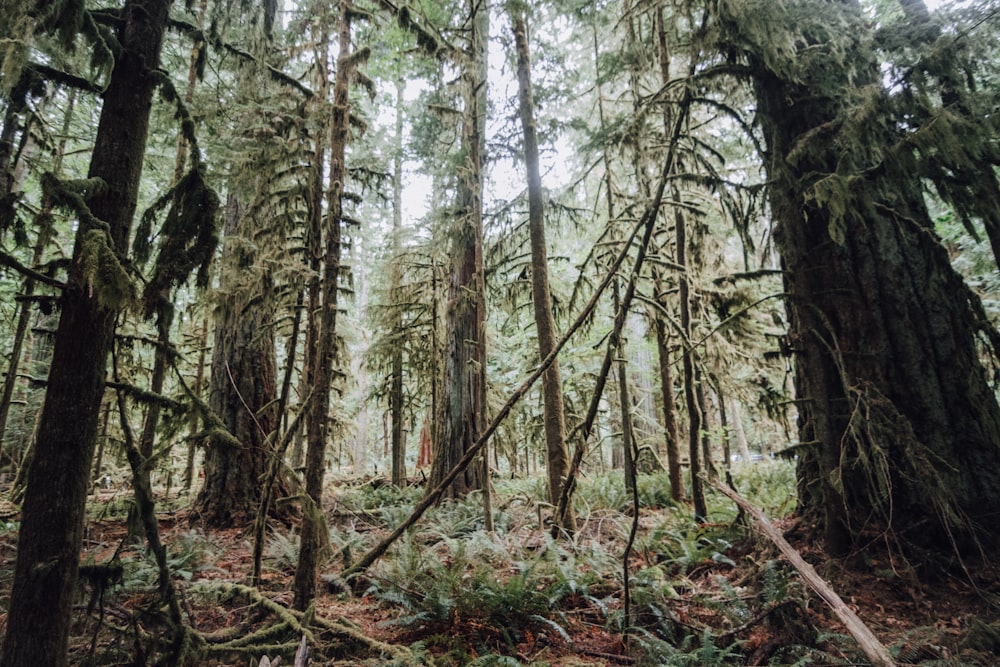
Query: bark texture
[[243, 382], [323, 362], [52, 521], [552, 396], [464, 404], [899, 426]]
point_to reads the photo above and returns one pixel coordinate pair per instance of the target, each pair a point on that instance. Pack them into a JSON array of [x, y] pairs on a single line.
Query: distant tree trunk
[[464, 408], [424, 453], [900, 428], [726, 433], [196, 389], [51, 530], [148, 436], [707, 424], [43, 222], [11, 126], [552, 397], [199, 380], [323, 365], [739, 433], [688, 364], [398, 446], [243, 382], [671, 431], [622, 456]]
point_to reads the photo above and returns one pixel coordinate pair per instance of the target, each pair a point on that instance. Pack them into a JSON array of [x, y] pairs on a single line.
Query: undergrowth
[[703, 594], [486, 598]]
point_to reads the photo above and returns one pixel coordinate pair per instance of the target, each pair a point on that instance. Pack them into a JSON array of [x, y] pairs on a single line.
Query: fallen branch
[[873, 649], [435, 494]]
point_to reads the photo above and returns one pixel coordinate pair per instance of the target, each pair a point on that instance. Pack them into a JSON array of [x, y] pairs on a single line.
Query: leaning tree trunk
[[900, 430], [552, 396], [48, 551]]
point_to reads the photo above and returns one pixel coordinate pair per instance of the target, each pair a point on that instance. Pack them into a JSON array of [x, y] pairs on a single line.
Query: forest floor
[[451, 594]]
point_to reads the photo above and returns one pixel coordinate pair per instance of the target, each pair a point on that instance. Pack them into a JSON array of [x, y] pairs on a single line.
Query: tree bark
[[464, 408], [53, 511], [900, 428], [552, 398], [398, 446], [243, 382], [323, 363], [199, 378], [688, 364], [671, 432]]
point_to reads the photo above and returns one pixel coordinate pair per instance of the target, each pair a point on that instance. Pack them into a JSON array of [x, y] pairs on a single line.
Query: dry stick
[[434, 495], [873, 649], [649, 220], [271, 476]]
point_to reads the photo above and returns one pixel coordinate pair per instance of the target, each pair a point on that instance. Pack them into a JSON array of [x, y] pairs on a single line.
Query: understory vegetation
[[451, 593]]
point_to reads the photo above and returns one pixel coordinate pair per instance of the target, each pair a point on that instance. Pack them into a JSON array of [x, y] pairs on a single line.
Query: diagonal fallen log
[[432, 497], [873, 649]]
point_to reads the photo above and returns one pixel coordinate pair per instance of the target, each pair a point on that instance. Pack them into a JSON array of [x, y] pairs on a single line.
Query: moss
[[103, 274]]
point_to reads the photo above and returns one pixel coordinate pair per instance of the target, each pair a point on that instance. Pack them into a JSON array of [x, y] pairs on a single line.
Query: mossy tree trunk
[[552, 397], [900, 429], [464, 405], [323, 361], [395, 280], [48, 553], [243, 382]]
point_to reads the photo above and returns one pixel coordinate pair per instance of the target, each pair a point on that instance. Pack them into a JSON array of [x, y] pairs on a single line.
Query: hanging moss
[[189, 236], [103, 274]]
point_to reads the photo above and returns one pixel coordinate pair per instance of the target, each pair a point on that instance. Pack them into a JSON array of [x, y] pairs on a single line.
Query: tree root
[[290, 622]]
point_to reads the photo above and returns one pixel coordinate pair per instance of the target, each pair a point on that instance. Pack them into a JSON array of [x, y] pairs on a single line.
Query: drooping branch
[[12, 263]]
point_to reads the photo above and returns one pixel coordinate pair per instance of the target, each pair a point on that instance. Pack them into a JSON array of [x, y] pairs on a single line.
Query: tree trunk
[[396, 380], [199, 379], [323, 362], [688, 364], [464, 408], [552, 397], [243, 382], [671, 431], [739, 434], [52, 516], [43, 221], [899, 426]]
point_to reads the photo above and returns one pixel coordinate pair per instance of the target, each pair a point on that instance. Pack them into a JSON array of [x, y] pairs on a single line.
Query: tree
[[552, 397], [243, 385], [464, 408], [899, 428], [53, 511], [324, 358]]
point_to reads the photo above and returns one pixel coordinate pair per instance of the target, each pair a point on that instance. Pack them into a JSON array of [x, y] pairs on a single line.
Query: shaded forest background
[[422, 333]]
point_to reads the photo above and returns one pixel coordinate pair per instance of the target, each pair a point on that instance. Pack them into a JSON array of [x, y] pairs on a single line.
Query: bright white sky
[[507, 179]]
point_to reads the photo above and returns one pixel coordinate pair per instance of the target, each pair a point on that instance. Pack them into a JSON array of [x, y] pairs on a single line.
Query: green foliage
[[693, 651], [282, 551], [188, 238], [471, 589], [187, 554]]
